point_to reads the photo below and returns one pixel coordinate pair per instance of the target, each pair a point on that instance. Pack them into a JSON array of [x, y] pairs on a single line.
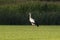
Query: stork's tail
[[37, 25]]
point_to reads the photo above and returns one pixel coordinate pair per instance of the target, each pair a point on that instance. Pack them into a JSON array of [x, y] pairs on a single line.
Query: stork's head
[[29, 13]]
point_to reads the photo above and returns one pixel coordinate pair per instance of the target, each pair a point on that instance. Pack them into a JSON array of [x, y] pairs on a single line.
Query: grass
[[29, 32]]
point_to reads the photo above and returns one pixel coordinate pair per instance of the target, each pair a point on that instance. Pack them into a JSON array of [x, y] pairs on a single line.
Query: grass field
[[29, 32]]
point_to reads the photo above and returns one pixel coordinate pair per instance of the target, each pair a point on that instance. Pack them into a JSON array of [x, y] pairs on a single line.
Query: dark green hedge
[[44, 13]]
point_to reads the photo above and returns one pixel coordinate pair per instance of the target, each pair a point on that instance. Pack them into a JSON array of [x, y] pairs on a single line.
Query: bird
[[33, 21]]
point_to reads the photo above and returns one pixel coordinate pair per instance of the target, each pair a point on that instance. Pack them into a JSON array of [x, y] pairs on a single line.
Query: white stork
[[31, 19], [33, 22]]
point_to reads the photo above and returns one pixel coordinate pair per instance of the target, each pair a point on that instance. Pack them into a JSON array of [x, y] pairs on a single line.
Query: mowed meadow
[[28, 32]]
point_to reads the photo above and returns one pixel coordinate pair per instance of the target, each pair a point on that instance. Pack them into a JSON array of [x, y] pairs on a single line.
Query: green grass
[[29, 32]]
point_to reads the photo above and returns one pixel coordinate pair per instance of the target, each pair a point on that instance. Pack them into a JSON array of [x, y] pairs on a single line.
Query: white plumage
[[31, 19]]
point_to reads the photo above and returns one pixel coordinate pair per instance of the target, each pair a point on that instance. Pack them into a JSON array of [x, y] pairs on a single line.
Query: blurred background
[[15, 12]]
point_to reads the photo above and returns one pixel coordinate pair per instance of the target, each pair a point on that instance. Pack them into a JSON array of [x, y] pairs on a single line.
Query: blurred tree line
[[17, 14]]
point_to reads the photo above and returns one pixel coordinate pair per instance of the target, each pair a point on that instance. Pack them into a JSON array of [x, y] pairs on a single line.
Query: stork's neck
[[29, 15]]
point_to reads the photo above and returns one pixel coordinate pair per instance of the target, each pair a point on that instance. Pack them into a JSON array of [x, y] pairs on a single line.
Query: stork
[[32, 21]]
